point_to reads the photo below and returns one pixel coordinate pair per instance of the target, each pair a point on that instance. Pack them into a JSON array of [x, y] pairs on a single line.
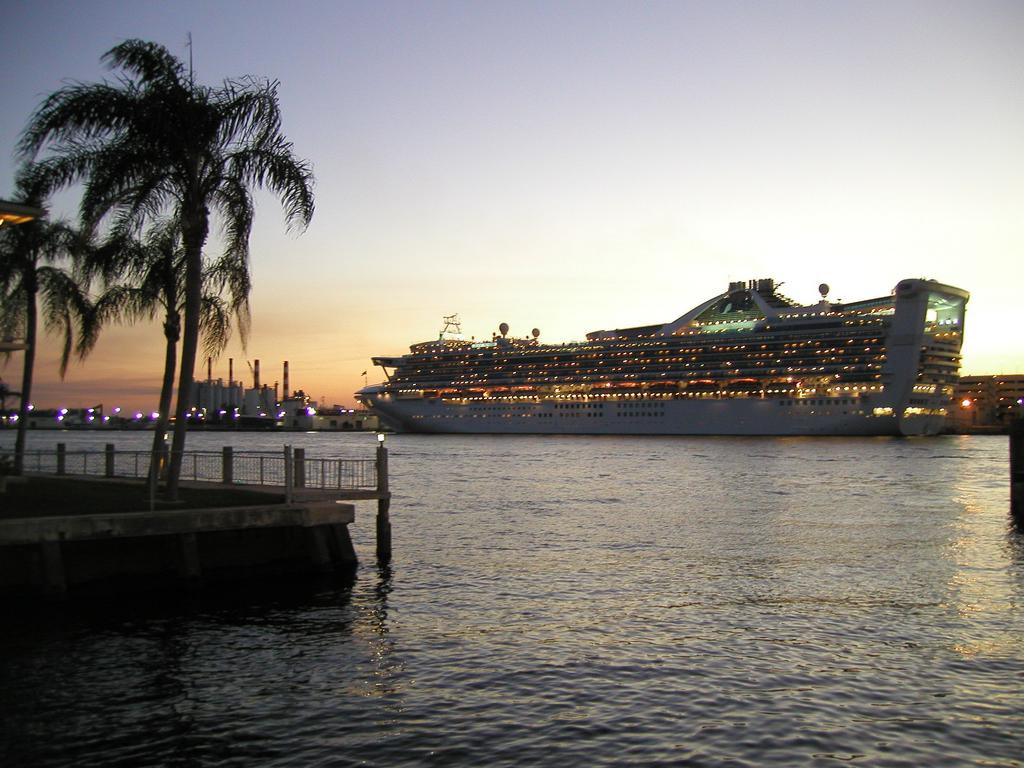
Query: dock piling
[[1017, 472], [300, 468], [227, 472], [289, 474], [62, 458], [383, 504], [108, 452]]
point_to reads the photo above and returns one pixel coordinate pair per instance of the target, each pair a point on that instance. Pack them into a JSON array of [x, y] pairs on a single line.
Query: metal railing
[[268, 468]]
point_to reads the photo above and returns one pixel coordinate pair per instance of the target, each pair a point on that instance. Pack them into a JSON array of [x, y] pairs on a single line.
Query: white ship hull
[[753, 416], [746, 362]]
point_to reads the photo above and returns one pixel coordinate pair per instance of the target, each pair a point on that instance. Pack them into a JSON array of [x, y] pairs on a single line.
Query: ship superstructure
[[749, 361]]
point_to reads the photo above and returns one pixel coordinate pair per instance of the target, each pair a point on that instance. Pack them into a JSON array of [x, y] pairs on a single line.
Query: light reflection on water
[[578, 600]]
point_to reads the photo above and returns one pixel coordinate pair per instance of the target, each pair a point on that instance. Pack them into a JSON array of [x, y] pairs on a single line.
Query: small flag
[[364, 373]]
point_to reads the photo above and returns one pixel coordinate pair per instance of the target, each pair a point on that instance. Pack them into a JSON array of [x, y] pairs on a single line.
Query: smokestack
[[256, 375], [209, 370], [231, 371], [284, 395]]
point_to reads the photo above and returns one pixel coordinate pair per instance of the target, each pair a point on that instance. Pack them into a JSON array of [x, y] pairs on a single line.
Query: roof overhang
[[16, 213]]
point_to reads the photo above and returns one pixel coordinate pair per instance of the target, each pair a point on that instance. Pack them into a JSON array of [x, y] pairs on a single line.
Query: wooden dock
[[300, 529]]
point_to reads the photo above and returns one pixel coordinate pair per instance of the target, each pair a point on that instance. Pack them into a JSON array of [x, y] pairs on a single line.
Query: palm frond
[[274, 167], [78, 112], [216, 325], [65, 309], [152, 63]]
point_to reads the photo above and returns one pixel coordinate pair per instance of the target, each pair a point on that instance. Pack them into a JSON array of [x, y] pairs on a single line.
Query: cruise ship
[[749, 361]]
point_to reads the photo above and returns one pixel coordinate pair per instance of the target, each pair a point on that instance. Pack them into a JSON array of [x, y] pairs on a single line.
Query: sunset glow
[[576, 166]]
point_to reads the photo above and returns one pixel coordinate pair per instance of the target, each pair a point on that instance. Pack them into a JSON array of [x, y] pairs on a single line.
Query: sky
[[573, 166]]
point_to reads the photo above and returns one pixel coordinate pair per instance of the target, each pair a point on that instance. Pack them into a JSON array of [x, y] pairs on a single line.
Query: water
[[577, 601]]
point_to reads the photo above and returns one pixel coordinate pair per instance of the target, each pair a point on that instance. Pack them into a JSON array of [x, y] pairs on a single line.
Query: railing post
[[62, 458], [289, 467], [227, 465], [383, 504], [300, 468], [109, 468]]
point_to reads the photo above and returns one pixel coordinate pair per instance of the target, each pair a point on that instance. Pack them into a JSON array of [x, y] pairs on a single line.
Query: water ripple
[[594, 602]]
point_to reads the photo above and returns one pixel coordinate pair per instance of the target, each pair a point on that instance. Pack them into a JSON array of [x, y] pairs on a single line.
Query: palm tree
[[152, 275], [30, 275], [156, 142]]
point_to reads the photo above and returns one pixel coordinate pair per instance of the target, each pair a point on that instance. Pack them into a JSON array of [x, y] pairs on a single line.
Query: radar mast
[[452, 327]]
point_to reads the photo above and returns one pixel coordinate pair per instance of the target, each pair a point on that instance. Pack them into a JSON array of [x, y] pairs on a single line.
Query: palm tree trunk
[[171, 333], [26, 379], [193, 237]]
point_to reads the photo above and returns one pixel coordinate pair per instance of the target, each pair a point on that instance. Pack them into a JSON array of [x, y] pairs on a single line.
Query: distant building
[[215, 396], [297, 412], [987, 402], [215, 401], [79, 418], [337, 418]]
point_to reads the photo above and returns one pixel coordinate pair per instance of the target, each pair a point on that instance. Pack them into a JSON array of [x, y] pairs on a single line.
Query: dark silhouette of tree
[[33, 276], [150, 284], [5, 392], [153, 143]]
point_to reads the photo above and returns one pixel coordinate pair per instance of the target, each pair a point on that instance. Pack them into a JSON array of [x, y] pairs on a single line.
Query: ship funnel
[[256, 375], [209, 369], [284, 394], [231, 371]]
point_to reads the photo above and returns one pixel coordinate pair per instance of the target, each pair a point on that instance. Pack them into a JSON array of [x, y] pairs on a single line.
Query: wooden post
[[289, 471], [62, 458], [383, 506], [227, 468], [1017, 471], [109, 469], [299, 475]]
